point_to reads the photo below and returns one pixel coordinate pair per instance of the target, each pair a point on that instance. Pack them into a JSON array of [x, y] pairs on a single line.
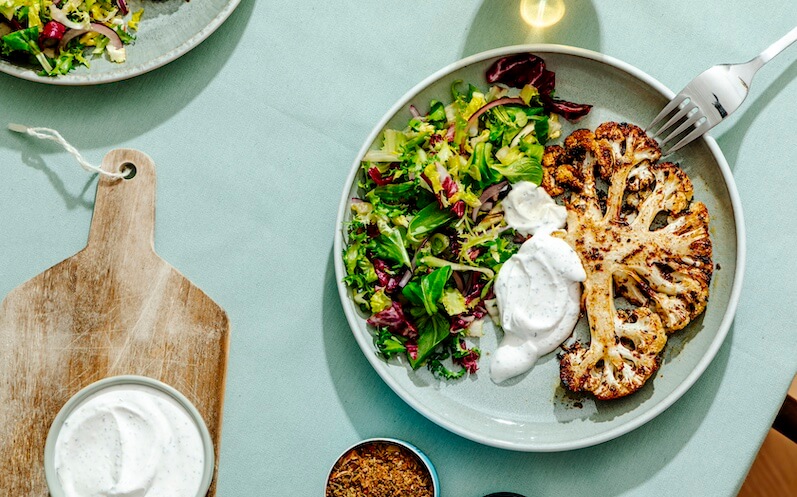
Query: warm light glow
[[542, 13]]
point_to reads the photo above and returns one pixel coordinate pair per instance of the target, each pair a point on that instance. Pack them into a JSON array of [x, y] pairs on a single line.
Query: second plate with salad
[[86, 42], [444, 374]]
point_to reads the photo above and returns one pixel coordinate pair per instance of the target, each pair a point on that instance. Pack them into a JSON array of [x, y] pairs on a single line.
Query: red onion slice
[[69, 36], [405, 279], [14, 23], [495, 103], [458, 281], [415, 255], [491, 192], [104, 30], [450, 133]]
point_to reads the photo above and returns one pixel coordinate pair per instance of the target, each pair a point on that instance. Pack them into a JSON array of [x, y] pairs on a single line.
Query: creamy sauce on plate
[[528, 208], [538, 290]]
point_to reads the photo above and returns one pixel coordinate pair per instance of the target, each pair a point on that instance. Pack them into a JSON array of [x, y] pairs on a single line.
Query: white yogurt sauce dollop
[[538, 289], [130, 441], [528, 208]]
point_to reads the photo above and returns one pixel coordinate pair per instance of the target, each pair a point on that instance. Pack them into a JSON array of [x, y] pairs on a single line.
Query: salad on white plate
[[427, 235], [58, 36]]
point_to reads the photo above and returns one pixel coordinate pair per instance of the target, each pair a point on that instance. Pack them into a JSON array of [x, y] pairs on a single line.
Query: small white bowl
[[54, 484], [419, 455]]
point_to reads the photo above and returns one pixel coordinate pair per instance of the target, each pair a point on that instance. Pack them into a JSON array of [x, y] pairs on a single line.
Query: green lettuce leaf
[[388, 344], [541, 129], [480, 165], [432, 286], [25, 40], [412, 291], [522, 169], [394, 192], [533, 150], [438, 368], [390, 245], [437, 112], [432, 331], [426, 221], [428, 290]]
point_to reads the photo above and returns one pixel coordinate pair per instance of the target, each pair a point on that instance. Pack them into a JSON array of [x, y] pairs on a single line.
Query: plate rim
[[534, 446], [126, 72]]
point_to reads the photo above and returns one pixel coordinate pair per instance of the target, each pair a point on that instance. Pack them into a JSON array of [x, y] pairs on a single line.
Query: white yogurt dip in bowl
[[128, 436]]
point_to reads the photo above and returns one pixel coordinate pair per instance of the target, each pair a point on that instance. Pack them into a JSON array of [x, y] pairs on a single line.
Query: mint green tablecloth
[[254, 132]]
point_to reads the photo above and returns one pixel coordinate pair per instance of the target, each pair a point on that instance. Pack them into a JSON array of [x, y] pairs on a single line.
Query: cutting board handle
[[124, 209]]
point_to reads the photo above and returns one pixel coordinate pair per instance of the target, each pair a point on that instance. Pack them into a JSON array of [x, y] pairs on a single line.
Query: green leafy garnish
[[388, 344], [390, 245], [428, 290], [26, 40], [426, 221], [523, 169], [432, 331]]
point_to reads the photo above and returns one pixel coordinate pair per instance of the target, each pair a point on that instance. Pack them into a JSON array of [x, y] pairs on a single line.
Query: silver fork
[[711, 97]]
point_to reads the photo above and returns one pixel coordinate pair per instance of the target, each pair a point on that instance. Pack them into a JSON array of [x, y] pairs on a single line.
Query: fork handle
[[777, 47]]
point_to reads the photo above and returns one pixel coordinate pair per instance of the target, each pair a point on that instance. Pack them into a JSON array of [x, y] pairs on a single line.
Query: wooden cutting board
[[114, 308]]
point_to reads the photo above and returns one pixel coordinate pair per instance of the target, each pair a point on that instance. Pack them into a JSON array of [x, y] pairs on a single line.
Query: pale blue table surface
[[254, 132]]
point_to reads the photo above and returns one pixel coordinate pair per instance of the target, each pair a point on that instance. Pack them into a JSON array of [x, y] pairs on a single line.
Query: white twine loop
[[53, 135]]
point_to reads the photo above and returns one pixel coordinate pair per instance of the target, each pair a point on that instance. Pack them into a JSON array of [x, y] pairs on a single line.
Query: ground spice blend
[[379, 469]]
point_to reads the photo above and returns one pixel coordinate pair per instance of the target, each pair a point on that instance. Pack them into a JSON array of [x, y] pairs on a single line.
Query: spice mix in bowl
[[383, 467]]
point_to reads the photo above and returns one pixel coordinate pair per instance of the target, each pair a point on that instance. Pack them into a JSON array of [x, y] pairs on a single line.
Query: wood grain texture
[[774, 471], [114, 308]]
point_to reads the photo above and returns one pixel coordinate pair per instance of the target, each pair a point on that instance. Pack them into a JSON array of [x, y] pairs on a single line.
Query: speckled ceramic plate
[[168, 29], [533, 412]]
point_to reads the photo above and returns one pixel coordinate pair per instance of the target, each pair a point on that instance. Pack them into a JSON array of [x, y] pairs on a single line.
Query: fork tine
[[699, 130], [683, 113], [684, 126], [671, 106]]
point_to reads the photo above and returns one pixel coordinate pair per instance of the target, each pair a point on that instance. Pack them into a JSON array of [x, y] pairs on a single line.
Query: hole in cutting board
[[129, 170]]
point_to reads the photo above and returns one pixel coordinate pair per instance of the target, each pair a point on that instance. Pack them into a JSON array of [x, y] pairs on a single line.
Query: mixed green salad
[[60, 35], [427, 235]]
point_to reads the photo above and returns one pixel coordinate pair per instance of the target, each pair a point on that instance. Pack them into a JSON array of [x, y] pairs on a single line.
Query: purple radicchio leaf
[[522, 69]]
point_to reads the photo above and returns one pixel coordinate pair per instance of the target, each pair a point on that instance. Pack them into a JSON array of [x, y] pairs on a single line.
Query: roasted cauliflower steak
[[640, 236]]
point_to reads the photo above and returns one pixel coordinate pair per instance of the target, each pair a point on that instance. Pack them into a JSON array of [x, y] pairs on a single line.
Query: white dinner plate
[[168, 29], [534, 412]]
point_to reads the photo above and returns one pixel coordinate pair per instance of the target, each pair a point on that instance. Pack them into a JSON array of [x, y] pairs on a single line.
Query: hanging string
[[53, 135]]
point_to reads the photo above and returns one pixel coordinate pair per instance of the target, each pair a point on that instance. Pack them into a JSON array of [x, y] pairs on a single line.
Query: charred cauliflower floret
[[639, 236]]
